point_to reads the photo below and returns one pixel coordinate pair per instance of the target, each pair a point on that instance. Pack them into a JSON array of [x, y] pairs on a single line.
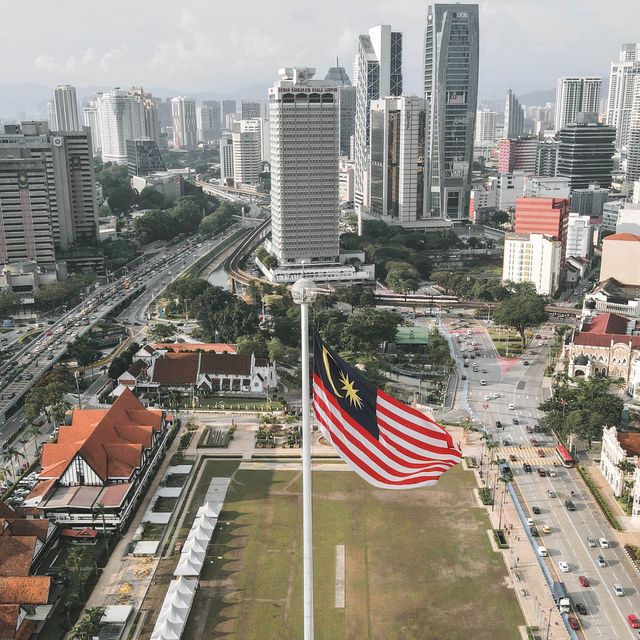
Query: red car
[[634, 622], [541, 453], [583, 581], [533, 441], [573, 622], [513, 458]]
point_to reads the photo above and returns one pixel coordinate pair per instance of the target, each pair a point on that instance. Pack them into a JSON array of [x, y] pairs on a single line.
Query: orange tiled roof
[[9, 621], [208, 347], [24, 527], [626, 237], [610, 323], [105, 439], [16, 555], [41, 489], [25, 590]]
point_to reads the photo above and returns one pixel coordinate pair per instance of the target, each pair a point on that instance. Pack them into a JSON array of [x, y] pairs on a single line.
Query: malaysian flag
[[388, 443]]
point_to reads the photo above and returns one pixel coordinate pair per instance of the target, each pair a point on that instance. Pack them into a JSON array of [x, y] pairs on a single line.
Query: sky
[[221, 46]]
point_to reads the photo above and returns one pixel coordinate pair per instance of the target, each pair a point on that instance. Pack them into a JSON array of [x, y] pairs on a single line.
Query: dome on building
[[581, 361]]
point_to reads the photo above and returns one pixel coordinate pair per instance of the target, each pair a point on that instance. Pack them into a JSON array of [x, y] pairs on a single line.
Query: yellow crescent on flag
[[327, 368]]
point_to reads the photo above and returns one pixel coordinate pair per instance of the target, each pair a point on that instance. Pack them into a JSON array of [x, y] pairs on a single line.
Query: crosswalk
[[529, 455]]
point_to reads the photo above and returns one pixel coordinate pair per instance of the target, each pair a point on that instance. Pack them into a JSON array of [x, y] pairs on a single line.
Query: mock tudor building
[[606, 344], [100, 464]]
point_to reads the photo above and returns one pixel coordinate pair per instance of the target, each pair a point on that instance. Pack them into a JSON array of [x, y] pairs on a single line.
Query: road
[[519, 385]]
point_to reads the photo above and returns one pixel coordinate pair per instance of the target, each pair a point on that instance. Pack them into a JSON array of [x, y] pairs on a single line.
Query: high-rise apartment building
[[346, 106], [576, 95], [547, 158], [143, 157], [120, 117], [585, 153], [517, 154], [185, 128], [532, 257], [151, 115], [303, 115], [397, 158], [451, 92], [250, 109], [72, 210], [91, 120], [633, 139], [209, 121], [513, 117], [226, 160], [377, 74], [65, 109], [579, 236], [622, 82], [485, 126], [247, 151]]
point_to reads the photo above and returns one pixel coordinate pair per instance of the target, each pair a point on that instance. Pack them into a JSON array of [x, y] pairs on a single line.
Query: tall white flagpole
[[304, 293]]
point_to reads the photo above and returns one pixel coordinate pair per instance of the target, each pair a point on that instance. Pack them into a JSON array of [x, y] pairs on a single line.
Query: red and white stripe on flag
[[411, 450]]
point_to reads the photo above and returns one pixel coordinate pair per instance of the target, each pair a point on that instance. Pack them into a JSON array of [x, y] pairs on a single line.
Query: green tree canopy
[[151, 198], [122, 199], [523, 310]]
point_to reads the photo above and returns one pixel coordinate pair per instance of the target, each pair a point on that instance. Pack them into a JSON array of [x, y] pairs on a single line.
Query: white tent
[[190, 564], [175, 609], [208, 510]]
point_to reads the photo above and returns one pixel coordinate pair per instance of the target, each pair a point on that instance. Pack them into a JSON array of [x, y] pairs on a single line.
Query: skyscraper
[[247, 151], [485, 126], [143, 157], [346, 106], [151, 115], [185, 128], [303, 115], [585, 153], [633, 137], [377, 74], [622, 83], [91, 120], [209, 120], [228, 107], [451, 92], [513, 116], [65, 109], [576, 95], [250, 109], [547, 158], [226, 160], [397, 165], [120, 116]]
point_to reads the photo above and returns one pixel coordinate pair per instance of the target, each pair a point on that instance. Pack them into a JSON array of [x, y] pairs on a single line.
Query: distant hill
[[537, 98]]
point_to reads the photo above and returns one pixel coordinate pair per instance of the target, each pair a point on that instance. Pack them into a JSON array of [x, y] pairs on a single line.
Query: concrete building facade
[[532, 257], [576, 95], [185, 126]]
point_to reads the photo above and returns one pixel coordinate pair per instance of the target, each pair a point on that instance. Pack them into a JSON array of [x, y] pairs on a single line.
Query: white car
[[563, 566], [530, 522], [487, 397], [512, 406], [618, 590], [542, 552], [604, 543], [495, 395]]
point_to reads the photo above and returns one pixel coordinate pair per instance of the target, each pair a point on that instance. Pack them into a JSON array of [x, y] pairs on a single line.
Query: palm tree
[[100, 510], [505, 480], [175, 398], [76, 561]]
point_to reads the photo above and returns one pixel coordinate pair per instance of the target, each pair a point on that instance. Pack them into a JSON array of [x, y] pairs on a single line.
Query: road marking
[[340, 576]]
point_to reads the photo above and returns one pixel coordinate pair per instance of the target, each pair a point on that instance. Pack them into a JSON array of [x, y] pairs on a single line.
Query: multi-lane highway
[[519, 386]]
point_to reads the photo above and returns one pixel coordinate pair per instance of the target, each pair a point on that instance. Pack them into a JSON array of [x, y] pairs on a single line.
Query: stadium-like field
[[418, 563]]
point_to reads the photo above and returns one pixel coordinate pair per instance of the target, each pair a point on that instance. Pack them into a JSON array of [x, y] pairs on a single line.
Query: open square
[[418, 564]]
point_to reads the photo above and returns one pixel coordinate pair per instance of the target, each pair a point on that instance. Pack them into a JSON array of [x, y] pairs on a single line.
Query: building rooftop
[[630, 442], [25, 590], [624, 237]]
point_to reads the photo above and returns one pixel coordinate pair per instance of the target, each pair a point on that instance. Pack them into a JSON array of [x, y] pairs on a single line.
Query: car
[[483, 383], [465, 364], [526, 362], [527, 467], [542, 552], [528, 429], [617, 590], [513, 458], [553, 473], [604, 543], [546, 529], [551, 493], [534, 532], [530, 522], [533, 441], [495, 395], [590, 541], [498, 424], [535, 509], [634, 621], [484, 371], [512, 406], [463, 376], [541, 453], [542, 473], [569, 505], [487, 397], [537, 428], [506, 443], [583, 580], [600, 561], [573, 622], [516, 421], [563, 566]]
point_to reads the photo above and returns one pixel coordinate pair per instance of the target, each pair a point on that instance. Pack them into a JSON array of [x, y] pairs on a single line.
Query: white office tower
[[513, 117], [151, 115], [576, 95], [250, 109], [303, 115], [485, 127], [532, 257], [621, 90], [377, 74], [65, 109], [346, 106], [209, 120], [247, 151], [184, 123], [91, 119], [226, 161], [451, 92], [633, 139], [397, 159], [120, 118], [579, 236]]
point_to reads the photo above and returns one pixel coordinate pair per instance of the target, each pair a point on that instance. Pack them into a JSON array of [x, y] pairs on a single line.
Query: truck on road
[[561, 596]]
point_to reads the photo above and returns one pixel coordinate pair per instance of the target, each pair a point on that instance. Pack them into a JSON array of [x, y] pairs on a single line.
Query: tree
[[8, 301], [89, 624], [402, 276], [523, 310], [101, 511], [122, 199], [175, 399], [255, 344], [84, 350], [161, 331], [365, 329], [151, 198]]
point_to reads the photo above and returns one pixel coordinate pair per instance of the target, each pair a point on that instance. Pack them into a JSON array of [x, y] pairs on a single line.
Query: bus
[[564, 456]]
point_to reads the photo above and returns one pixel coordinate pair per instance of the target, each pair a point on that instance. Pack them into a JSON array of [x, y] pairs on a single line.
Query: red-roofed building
[[101, 461], [606, 344]]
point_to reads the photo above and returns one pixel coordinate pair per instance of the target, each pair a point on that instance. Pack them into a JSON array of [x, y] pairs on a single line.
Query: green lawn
[[418, 563], [176, 480], [164, 504]]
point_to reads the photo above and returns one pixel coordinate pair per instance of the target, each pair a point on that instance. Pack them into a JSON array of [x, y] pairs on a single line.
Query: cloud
[[45, 62]]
